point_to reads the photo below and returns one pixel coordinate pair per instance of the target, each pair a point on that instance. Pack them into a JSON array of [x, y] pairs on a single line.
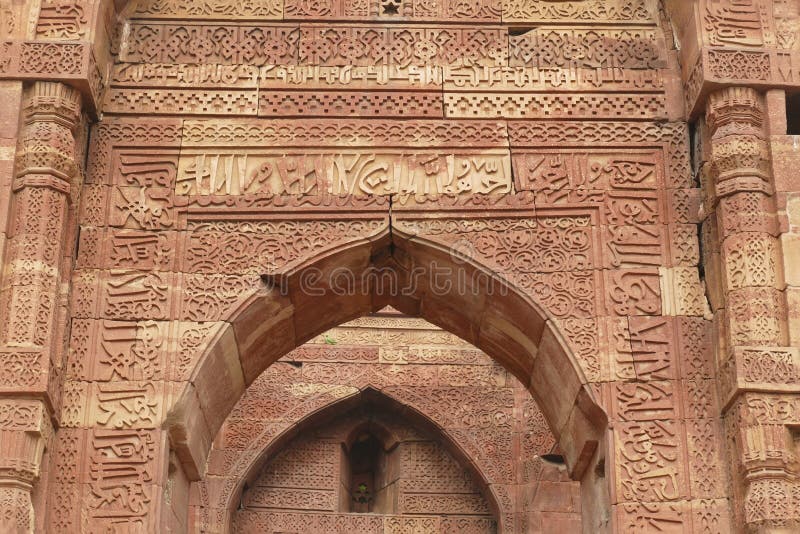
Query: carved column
[[30, 290], [45, 167], [756, 367]]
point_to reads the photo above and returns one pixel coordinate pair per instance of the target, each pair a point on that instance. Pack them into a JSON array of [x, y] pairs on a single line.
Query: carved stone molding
[[72, 63], [754, 369]]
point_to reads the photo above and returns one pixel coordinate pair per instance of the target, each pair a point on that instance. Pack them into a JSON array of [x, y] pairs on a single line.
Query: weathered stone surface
[[598, 199]]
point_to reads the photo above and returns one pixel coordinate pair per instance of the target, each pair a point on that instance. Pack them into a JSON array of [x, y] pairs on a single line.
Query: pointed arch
[[410, 273], [314, 414]]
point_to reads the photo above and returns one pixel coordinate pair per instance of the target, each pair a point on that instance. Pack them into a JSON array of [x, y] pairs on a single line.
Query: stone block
[[712, 515], [775, 104], [790, 258], [218, 377], [189, 434], [264, 330], [633, 292], [756, 316], [752, 259], [661, 476], [785, 159]]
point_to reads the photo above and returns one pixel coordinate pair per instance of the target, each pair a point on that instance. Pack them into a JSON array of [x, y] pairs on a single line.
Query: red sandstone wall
[[92, 361]]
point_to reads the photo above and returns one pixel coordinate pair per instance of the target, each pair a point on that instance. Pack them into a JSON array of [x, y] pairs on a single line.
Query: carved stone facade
[[599, 197]]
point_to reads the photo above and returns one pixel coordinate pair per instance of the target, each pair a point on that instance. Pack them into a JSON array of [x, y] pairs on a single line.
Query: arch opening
[[385, 421], [421, 279]]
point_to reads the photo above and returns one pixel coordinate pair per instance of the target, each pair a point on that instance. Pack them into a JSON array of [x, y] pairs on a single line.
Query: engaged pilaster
[[31, 329], [31, 279], [756, 367]]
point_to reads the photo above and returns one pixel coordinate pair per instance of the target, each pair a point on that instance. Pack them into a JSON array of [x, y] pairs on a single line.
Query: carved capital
[[760, 424], [47, 144], [740, 159], [72, 63], [53, 101], [24, 429], [50, 177], [739, 106]]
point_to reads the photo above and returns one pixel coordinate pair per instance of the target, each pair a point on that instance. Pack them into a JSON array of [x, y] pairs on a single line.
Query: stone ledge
[[72, 63], [717, 67], [759, 369]]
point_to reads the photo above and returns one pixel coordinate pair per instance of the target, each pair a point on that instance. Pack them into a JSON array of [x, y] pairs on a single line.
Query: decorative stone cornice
[[759, 369], [68, 62], [715, 68]]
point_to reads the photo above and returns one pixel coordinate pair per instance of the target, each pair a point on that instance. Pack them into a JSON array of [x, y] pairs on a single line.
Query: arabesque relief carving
[[228, 228]]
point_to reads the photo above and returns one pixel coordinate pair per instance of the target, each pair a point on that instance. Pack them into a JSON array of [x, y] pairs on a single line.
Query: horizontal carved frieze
[[638, 48], [353, 133], [416, 104], [529, 106], [419, 99], [452, 78], [209, 9], [476, 11], [181, 101], [312, 44], [353, 172], [639, 11]]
